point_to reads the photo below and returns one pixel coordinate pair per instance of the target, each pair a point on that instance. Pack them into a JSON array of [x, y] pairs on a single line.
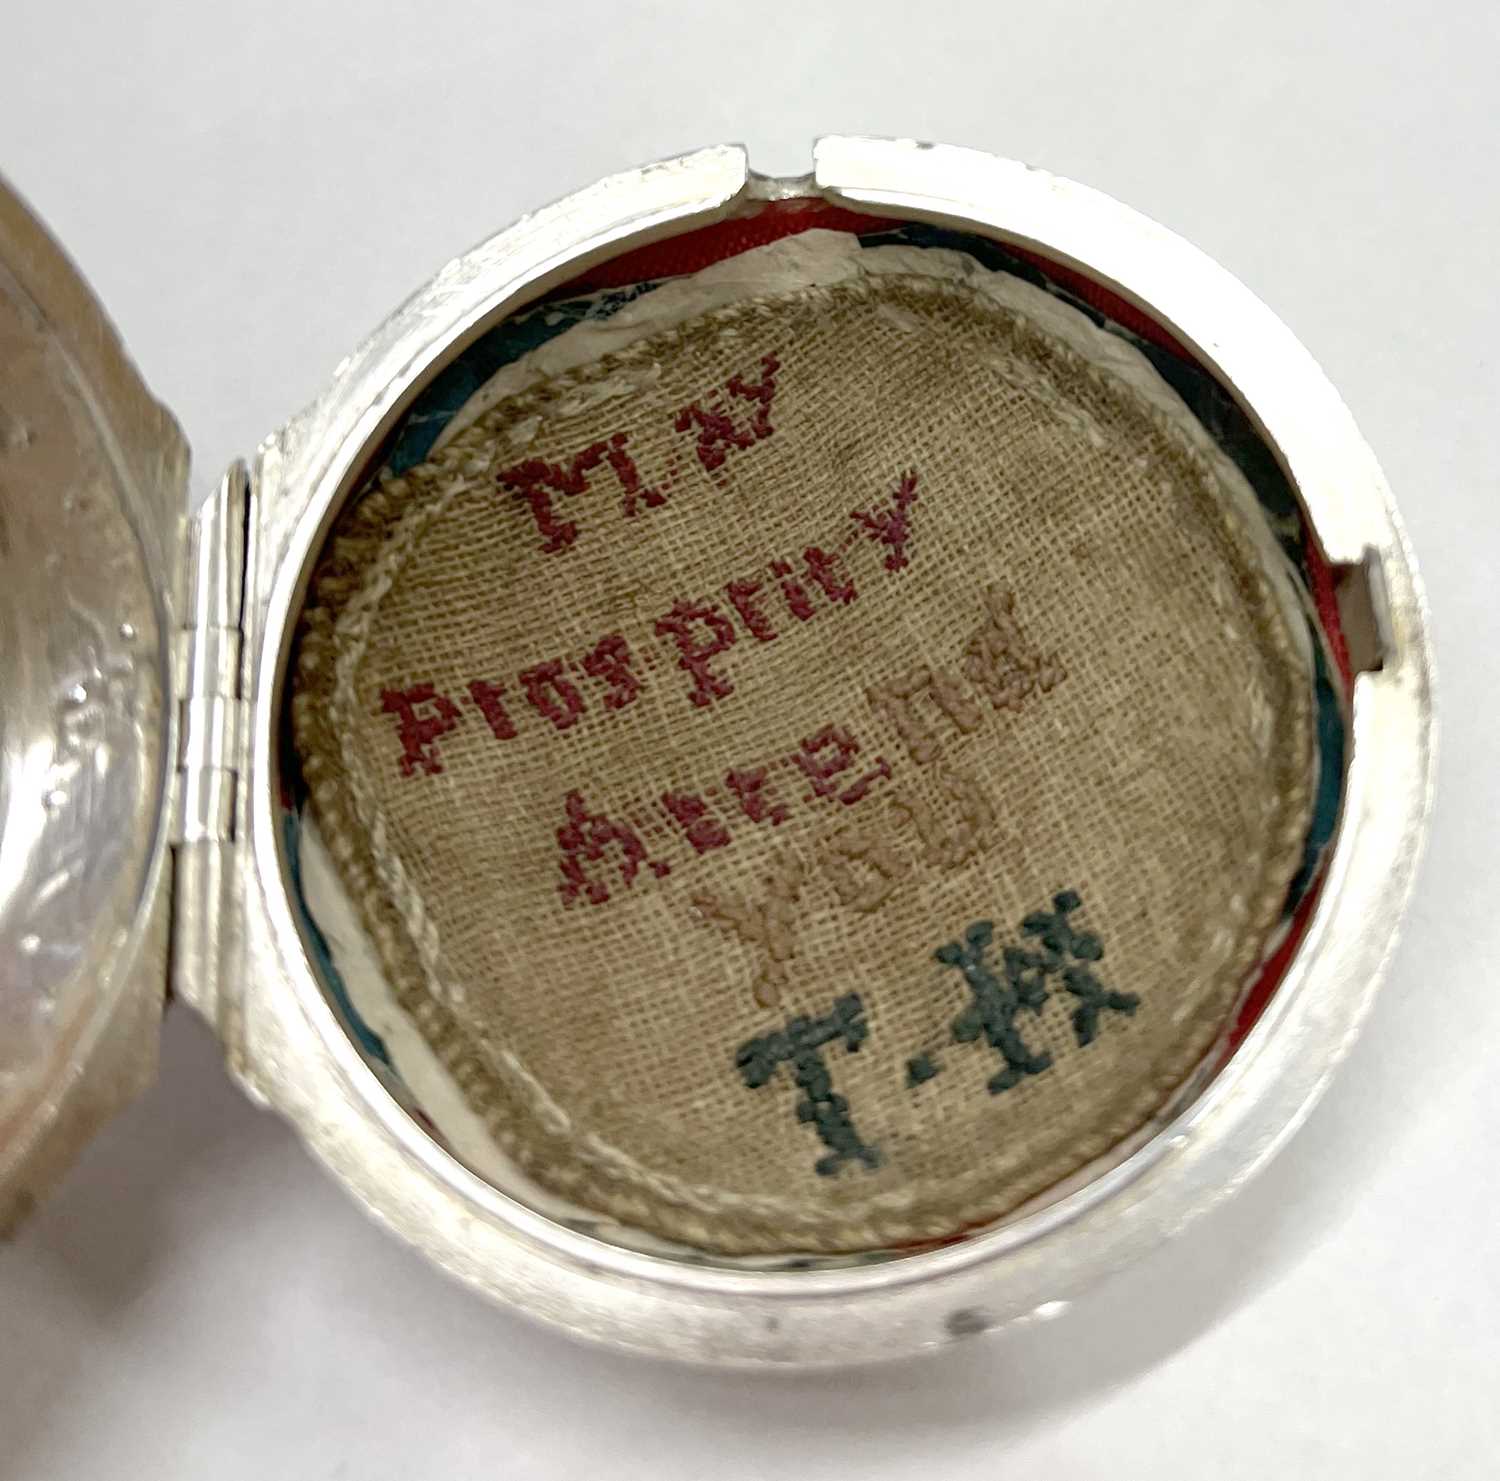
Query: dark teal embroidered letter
[[1023, 984], [800, 1044], [1059, 941], [996, 1003]]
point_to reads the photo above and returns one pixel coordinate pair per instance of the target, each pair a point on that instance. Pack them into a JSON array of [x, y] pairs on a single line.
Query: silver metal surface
[[209, 800], [289, 1048], [93, 475]]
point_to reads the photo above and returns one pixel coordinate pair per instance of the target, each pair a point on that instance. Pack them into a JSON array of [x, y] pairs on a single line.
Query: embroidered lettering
[[820, 767], [762, 392], [973, 833], [749, 785], [1059, 942], [822, 568], [741, 596], [487, 697], [422, 717], [861, 789], [691, 813], [999, 659], [851, 846], [800, 1044], [551, 695], [717, 430], [589, 838], [535, 481], [624, 469], [997, 1000], [798, 603], [681, 624], [768, 925], [610, 662], [892, 527], [896, 700], [825, 762], [700, 632], [1064, 952]]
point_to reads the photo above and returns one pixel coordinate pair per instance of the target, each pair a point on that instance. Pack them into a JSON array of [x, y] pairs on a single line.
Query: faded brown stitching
[[768, 925], [850, 846], [999, 659], [973, 834], [895, 700]]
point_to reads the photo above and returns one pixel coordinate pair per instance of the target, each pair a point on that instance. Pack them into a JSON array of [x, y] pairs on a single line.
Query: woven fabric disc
[[820, 773]]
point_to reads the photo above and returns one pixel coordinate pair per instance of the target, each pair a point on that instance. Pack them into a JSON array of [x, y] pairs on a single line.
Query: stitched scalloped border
[[366, 553]]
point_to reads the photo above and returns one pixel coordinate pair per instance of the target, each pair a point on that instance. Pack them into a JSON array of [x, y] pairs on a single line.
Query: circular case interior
[[811, 741]]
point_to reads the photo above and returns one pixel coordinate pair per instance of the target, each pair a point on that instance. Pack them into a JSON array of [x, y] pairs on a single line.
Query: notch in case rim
[[238, 953]]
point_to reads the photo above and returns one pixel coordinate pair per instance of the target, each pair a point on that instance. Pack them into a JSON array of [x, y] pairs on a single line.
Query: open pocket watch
[[779, 771]]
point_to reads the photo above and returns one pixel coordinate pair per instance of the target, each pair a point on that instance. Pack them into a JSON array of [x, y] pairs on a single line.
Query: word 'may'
[[731, 419]]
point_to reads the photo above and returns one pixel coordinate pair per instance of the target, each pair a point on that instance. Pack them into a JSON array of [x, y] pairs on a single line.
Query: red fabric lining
[[695, 250], [1325, 599], [1272, 973]]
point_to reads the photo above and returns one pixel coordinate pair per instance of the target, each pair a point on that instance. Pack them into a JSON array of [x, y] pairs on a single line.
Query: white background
[[251, 188]]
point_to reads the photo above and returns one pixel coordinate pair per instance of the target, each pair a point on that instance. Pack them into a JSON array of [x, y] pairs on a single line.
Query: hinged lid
[[93, 474]]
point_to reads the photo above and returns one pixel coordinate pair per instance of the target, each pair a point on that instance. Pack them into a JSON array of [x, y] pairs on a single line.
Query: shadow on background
[[194, 1170]]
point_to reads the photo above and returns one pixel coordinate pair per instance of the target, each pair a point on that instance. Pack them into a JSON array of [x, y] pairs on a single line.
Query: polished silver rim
[[289, 1048]]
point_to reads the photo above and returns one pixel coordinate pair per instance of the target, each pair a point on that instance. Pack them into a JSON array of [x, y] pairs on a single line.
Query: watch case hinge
[[208, 814]]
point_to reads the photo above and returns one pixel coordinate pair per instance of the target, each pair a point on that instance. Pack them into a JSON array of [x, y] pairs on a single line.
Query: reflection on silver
[[92, 476]]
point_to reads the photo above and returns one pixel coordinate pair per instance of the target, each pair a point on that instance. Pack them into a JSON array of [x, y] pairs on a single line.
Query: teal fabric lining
[[452, 387], [363, 1034]]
